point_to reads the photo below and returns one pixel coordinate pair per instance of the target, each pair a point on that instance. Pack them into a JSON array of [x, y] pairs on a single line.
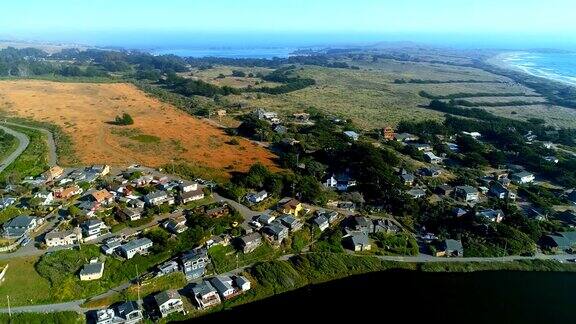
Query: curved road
[[52, 156], [23, 142]]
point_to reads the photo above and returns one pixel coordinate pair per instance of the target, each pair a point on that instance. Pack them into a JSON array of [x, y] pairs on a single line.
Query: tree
[[124, 120]]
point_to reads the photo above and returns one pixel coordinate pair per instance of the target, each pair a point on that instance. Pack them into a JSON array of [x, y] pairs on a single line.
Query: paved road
[[52, 156], [246, 212], [23, 142], [51, 308]]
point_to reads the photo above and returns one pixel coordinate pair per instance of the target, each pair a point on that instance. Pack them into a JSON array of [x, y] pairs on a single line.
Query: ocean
[[554, 66], [235, 53]]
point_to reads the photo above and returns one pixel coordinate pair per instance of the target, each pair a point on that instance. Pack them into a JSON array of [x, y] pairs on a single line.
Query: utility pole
[[9, 310], [138, 282]]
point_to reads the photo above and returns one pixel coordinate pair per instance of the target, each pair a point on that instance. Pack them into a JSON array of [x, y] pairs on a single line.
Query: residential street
[[23, 142]]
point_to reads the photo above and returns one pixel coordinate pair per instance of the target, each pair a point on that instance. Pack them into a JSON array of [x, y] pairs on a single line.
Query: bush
[[124, 120]]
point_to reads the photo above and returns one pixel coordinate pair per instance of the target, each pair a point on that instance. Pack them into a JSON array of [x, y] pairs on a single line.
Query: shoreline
[[505, 60]]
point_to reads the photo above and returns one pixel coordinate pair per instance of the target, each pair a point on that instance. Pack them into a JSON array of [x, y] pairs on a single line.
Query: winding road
[[23, 142], [52, 155]]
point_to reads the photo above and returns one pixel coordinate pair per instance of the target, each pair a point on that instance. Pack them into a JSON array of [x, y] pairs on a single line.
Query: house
[[280, 129], [405, 137], [53, 173], [450, 248], [430, 157], [523, 177], [110, 245], [176, 224], [189, 196], [358, 242], [6, 202], [138, 246], [301, 117], [347, 205], [158, 198], [385, 226], [341, 182], [459, 212], [129, 313], [194, 263], [69, 237], [257, 197], [101, 169], [218, 212], [331, 216], [551, 159], [561, 241], [360, 224], [474, 135], [88, 208], [444, 190], [499, 191], [93, 228], [168, 302], [102, 197], [266, 219], [187, 186], [321, 222], [491, 214], [467, 193], [250, 242], [45, 197], [68, 192], [241, 283], [292, 223], [352, 135], [20, 226], [92, 271], [416, 193], [422, 147], [223, 285], [205, 295], [290, 206], [167, 268], [276, 232], [431, 172], [129, 214], [388, 133], [453, 147], [408, 179]]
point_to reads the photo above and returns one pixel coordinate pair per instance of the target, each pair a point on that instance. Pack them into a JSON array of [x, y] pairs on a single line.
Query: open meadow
[[384, 92], [161, 134]]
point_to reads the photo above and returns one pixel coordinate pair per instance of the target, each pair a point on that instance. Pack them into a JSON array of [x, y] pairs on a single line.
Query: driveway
[[23, 142]]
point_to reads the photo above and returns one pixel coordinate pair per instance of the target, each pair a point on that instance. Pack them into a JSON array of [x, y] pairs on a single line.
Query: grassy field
[[33, 161], [23, 284], [84, 111], [226, 258], [213, 76], [385, 92]]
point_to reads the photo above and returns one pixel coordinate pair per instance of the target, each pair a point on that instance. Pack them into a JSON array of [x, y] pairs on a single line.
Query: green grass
[[33, 161], [8, 144], [226, 258], [23, 284], [52, 318]]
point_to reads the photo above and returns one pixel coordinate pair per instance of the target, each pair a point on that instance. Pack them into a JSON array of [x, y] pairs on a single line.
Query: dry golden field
[[161, 133]]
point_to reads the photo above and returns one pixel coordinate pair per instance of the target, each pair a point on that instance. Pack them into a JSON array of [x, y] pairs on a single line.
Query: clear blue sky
[[37, 18]]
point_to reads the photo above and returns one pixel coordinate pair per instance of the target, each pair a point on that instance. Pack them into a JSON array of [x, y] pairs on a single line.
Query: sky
[[99, 21]]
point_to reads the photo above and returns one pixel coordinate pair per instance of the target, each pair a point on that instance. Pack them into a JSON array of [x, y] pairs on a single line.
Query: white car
[[255, 224]]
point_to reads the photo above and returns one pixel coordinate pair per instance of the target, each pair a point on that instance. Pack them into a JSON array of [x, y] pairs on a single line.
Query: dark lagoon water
[[412, 297]]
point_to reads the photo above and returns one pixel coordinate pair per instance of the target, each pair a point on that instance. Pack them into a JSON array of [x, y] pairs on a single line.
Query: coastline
[[519, 61]]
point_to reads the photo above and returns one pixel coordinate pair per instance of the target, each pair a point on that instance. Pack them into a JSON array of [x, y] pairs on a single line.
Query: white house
[[69, 237], [92, 271], [138, 246], [169, 302], [430, 157], [45, 197], [523, 177], [257, 197], [352, 135]]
